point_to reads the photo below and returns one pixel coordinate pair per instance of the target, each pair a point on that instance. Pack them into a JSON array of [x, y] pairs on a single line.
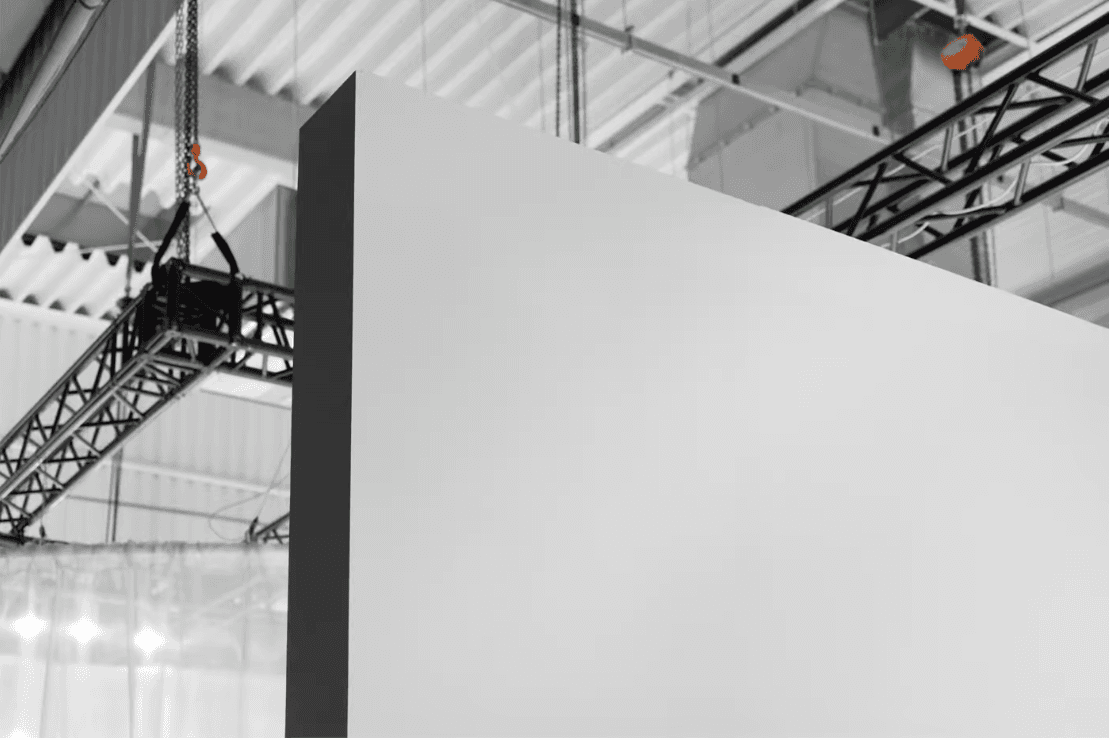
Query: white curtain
[[143, 641]]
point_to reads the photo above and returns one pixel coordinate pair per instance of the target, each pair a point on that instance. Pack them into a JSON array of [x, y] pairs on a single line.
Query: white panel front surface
[[632, 457]]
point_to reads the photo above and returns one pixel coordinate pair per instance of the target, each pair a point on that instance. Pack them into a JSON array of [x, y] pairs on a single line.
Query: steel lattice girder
[[191, 321], [275, 531], [904, 186]]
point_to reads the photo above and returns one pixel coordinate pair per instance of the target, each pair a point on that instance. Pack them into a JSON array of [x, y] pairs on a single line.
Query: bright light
[[148, 640], [18, 733], [29, 626], [83, 630]]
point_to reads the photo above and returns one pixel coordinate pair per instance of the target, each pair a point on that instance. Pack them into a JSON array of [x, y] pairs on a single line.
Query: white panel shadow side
[[320, 467]]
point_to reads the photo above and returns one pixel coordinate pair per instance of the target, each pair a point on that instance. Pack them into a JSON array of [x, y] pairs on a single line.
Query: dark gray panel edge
[[319, 549]]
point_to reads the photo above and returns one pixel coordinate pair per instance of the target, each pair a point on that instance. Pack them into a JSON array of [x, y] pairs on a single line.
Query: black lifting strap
[[182, 211], [178, 217], [225, 250]]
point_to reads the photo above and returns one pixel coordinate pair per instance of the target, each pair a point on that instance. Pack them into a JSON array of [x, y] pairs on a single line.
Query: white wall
[[632, 457]]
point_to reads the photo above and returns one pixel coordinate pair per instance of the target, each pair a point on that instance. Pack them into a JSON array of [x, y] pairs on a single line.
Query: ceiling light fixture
[[83, 630], [29, 626], [149, 640]]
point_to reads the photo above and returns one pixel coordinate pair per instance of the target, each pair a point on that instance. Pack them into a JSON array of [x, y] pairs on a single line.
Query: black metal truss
[[189, 322], [929, 188], [275, 531]]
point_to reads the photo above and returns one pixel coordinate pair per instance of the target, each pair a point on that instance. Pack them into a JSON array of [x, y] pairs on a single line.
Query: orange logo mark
[[196, 156], [961, 52]]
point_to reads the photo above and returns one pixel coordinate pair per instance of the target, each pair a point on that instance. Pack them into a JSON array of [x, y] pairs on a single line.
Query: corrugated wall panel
[[219, 436], [123, 33]]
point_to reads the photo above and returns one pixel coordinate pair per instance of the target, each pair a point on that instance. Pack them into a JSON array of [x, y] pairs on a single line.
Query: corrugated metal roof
[[477, 53], [208, 451]]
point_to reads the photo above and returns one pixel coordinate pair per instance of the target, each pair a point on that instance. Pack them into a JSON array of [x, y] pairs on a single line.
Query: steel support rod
[[271, 527], [138, 164], [697, 68], [983, 25]]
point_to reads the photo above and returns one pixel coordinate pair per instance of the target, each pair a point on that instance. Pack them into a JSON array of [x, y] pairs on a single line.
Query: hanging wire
[[574, 72], [585, 104], [294, 103], [543, 82], [558, 60], [138, 167], [720, 149], [246, 500], [274, 482], [1048, 243], [262, 506], [712, 33], [494, 62], [423, 50], [670, 139], [113, 496], [689, 116]]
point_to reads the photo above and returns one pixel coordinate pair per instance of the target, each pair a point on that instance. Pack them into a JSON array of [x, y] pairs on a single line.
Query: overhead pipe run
[[977, 22], [62, 49], [725, 78], [752, 49]]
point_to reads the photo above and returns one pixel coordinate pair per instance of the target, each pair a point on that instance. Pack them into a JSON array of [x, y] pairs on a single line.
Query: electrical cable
[[574, 72], [288, 447], [558, 61], [423, 50], [585, 69], [254, 520], [1063, 162], [274, 481], [539, 56]]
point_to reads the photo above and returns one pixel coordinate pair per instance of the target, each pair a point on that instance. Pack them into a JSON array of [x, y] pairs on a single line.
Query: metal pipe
[[94, 186], [983, 25], [61, 51], [692, 66], [138, 164]]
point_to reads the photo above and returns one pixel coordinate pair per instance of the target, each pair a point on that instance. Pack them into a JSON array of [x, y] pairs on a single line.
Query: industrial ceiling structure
[[768, 100]]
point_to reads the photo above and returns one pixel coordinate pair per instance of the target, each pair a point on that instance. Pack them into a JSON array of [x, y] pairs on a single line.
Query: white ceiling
[[477, 53]]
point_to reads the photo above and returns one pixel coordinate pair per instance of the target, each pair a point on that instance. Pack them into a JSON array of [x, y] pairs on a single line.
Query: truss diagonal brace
[[183, 326]]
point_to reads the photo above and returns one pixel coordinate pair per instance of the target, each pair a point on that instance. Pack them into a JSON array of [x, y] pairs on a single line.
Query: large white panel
[[632, 457]]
